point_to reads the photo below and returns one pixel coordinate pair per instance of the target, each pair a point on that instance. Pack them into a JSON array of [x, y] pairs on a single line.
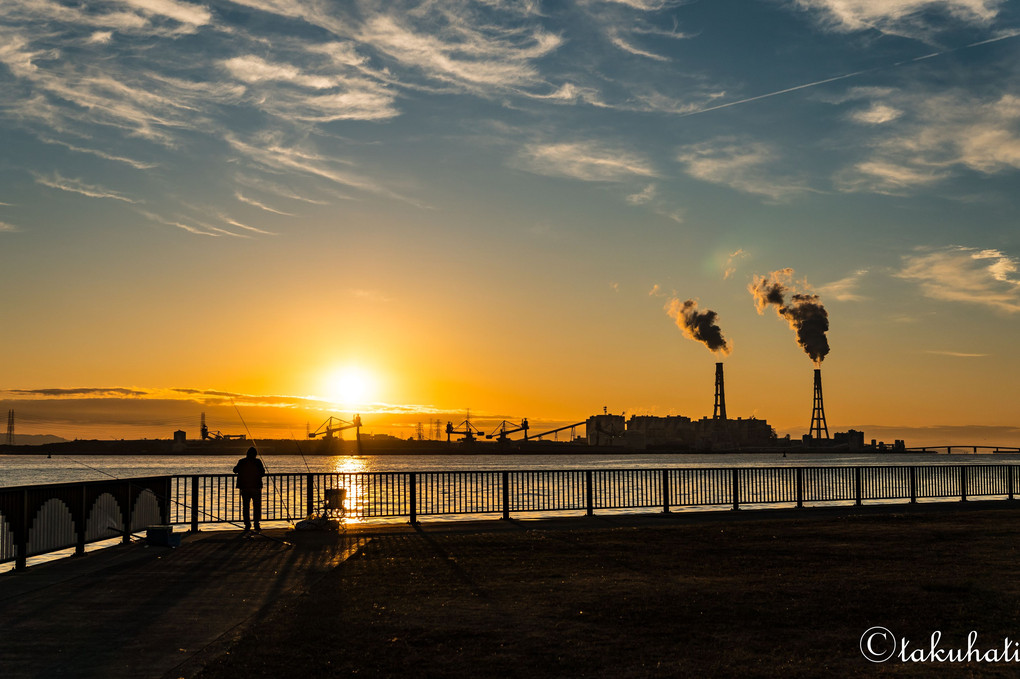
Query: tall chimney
[[719, 413], [818, 426]]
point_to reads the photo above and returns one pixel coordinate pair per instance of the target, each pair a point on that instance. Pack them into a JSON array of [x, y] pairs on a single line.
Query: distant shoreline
[[397, 447]]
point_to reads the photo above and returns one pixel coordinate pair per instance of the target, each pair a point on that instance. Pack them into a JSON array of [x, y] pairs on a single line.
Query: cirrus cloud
[[585, 160], [968, 275]]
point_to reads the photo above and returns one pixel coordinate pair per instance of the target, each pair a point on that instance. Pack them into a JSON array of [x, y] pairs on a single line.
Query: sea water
[[19, 470]]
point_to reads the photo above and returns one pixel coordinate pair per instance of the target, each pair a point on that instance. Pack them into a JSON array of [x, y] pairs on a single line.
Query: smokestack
[[719, 412], [818, 426]]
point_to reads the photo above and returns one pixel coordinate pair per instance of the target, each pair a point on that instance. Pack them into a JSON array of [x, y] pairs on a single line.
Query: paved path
[[139, 611], [154, 612]]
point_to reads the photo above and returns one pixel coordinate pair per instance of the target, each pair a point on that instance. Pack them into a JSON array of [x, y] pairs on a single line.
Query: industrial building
[[676, 432]]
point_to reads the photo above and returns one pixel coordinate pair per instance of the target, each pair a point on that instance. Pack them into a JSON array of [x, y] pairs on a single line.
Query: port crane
[[334, 425], [469, 431], [216, 435], [505, 428]]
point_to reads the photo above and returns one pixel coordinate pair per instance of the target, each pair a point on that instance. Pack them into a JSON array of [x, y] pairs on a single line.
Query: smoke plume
[[698, 325], [770, 289], [804, 312]]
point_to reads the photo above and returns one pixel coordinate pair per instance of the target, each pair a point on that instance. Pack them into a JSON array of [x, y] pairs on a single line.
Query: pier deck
[[138, 611]]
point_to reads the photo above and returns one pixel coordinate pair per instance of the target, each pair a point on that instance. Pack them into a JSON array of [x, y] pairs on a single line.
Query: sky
[[281, 210]]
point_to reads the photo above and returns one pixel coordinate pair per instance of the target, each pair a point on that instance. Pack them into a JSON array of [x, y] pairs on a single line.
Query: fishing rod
[[174, 500], [290, 509]]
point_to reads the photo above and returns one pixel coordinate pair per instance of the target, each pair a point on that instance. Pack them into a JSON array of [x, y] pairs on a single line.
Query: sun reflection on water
[[354, 502], [343, 464]]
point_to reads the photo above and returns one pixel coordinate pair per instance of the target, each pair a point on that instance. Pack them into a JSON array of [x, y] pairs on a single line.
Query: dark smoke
[[804, 312], [808, 317], [770, 289], [699, 325]]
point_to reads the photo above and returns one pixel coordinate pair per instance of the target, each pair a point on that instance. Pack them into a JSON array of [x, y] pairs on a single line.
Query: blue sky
[[492, 204]]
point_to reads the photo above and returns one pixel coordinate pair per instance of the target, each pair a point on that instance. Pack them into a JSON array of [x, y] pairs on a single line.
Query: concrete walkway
[[154, 612], [140, 611]]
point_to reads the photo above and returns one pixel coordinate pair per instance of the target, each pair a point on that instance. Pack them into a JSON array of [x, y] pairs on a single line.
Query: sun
[[351, 385]]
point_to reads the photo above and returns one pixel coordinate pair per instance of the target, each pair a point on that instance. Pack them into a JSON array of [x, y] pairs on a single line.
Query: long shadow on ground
[[762, 598]]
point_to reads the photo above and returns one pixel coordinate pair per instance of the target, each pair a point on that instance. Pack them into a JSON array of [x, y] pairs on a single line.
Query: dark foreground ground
[[754, 597]]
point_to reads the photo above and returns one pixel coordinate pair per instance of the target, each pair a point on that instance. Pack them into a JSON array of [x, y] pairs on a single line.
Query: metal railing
[[40, 519], [37, 520]]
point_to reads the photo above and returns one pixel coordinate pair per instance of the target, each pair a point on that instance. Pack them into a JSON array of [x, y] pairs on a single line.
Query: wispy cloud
[[55, 181], [876, 114], [233, 222], [292, 93], [643, 196], [262, 206], [182, 224], [647, 5], [747, 166], [458, 47], [8, 228], [968, 275], [934, 137], [730, 267], [617, 39], [845, 289], [955, 354], [128, 17], [275, 155], [916, 18], [137, 164], [183, 12], [281, 190], [587, 161], [253, 69], [83, 392], [881, 176]]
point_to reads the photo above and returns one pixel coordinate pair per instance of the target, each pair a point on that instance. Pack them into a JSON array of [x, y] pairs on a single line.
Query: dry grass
[[751, 598]]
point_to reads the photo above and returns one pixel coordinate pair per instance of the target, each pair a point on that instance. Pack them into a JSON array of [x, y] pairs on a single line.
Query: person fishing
[[250, 470]]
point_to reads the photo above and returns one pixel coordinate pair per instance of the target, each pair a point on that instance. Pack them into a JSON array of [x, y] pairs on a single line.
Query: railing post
[[800, 487], [736, 489], [1009, 480], [309, 494], [588, 495], [506, 496], [412, 489], [21, 544], [168, 499], [913, 485], [963, 482], [858, 493], [79, 547], [127, 514], [665, 491], [194, 503]]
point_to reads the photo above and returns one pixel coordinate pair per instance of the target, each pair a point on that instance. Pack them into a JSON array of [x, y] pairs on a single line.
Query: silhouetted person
[[250, 470]]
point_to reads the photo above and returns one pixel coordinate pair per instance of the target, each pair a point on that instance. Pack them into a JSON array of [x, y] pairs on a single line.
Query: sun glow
[[351, 385]]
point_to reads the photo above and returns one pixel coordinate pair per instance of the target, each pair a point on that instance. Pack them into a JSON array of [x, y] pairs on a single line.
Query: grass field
[[751, 597]]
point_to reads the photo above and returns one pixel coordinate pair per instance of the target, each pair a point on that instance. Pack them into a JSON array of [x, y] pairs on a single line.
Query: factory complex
[[716, 433]]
